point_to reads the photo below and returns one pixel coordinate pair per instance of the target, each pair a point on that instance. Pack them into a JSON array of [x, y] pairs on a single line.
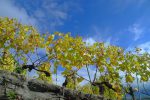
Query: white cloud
[[55, 12], [9, 9], [145, 47], [137, 31], [47, 16], [89, 41]]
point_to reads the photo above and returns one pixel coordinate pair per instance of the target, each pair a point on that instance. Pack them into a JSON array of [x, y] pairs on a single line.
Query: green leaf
[[80, 79]]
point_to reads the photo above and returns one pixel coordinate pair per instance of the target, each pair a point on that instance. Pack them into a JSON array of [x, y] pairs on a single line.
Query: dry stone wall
[[17, 87]]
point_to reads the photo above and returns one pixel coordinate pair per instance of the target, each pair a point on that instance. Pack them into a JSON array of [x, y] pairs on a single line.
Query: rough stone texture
[[32, 89]]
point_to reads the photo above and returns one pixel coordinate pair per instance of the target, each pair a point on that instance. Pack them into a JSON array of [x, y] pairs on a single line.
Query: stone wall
[[15, 86]]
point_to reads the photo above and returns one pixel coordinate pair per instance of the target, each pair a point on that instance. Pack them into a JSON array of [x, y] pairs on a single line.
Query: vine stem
[[125, 96], [89, 78], [56, 76], [88, 73], [138, 87], [83, 77], [95, 74]]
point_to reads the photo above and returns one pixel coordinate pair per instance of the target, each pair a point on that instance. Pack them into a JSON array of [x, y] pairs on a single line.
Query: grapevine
[[19, 44]]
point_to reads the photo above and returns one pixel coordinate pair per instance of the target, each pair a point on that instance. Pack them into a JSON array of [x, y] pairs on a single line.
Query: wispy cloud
[[46, 15], [54, 13], [121, 5], [137, 30], [131, 2], [9, 9], [89, 41], [100, 35], [145, 47]]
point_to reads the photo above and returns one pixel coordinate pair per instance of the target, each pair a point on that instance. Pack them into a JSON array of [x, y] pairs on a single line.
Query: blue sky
[[123, 23]]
